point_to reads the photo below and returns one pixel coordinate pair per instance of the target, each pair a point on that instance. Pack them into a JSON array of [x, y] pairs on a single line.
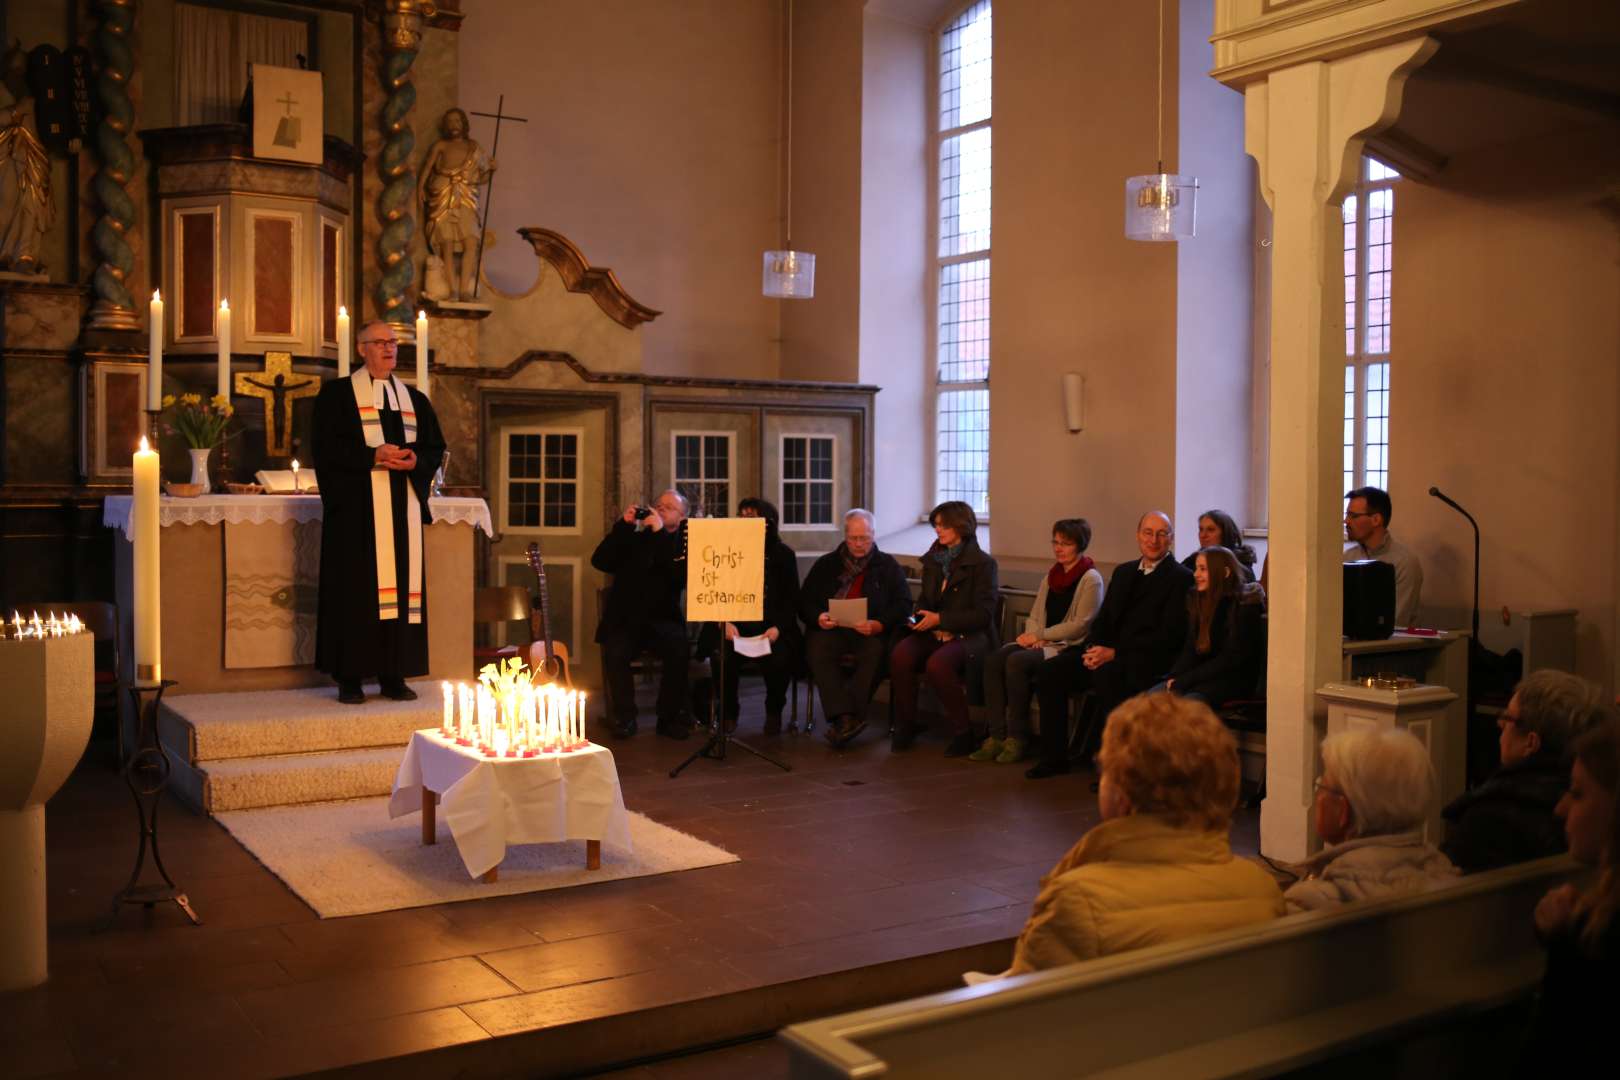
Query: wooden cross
[[489, 189], [278, 386]]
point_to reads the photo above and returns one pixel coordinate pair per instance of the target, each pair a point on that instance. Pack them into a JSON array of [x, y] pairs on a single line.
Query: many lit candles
[[53, 625], [144, 523], [526, 722]]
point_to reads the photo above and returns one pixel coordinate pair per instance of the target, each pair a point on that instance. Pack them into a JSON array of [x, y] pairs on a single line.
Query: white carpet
[[349, 858]]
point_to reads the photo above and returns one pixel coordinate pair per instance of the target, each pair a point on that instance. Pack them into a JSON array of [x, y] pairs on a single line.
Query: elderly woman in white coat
[[1066, 602], [1376, 789]]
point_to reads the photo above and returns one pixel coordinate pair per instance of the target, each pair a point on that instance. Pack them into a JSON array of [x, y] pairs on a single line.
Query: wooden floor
[[865, 876]]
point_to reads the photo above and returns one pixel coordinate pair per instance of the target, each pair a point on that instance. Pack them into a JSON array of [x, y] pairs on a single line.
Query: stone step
[[253, 782], [212, 727]]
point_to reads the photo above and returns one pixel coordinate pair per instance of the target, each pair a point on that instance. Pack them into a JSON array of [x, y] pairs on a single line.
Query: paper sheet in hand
[[847, 612], [752, 646]]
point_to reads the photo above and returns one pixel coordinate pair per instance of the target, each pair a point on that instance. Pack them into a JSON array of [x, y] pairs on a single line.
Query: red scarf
[[1057, 579]]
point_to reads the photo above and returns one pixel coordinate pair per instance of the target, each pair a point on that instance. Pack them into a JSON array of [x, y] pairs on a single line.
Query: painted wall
[[1068, 291], [895, 310], [1214, 334], [651, 144], [1505, 388], [821, 337]]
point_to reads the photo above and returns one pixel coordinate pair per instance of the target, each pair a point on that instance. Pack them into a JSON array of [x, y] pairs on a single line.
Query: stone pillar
[[1305, 126], [114, 308], [402, 23]]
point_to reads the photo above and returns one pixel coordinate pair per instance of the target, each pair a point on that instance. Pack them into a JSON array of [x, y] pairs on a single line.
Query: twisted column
[[114, 308], [402, 39]]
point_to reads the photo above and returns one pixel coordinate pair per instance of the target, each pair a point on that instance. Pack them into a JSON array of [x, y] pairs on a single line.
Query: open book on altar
[[282, 482]]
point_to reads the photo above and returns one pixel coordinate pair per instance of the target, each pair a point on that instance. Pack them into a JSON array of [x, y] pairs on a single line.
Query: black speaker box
[[1369, 600]]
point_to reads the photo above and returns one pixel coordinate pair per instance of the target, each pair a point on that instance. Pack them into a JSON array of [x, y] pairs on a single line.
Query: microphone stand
[[1443, 497]]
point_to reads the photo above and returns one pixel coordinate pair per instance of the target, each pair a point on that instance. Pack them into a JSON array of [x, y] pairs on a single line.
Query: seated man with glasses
[[377, 446], [1366, 527], [1134, 639]]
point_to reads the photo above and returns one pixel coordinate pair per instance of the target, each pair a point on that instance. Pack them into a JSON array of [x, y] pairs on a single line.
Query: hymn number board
[[725, 569]]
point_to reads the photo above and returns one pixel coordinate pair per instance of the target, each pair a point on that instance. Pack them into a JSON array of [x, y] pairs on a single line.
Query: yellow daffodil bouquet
[[202, 424]]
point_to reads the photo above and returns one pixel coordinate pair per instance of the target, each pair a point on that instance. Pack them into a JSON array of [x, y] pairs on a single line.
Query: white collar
[[1147, 567], [386, 398]]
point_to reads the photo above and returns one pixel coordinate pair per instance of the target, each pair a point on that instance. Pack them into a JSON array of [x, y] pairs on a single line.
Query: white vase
[[199, 467]]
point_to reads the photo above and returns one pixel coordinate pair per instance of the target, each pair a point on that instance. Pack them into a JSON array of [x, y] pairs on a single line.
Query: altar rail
[[1249, 1002]]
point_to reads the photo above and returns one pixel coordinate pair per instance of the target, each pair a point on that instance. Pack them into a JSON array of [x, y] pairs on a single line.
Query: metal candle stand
[[147, 774]]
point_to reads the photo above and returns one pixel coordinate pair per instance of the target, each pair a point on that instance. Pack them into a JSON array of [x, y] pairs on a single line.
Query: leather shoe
[[624, 730], [1041, 770], [398, 691], [351, 694], [674, 729]]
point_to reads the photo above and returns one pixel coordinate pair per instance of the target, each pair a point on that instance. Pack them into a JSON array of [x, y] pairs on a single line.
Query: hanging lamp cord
[[1161, 87], [788, 125]]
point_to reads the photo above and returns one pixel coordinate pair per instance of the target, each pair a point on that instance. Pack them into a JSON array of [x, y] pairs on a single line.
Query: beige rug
[[349, 858]]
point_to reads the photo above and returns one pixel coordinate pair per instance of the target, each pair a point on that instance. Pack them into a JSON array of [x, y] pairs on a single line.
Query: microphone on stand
[[1449, 501]]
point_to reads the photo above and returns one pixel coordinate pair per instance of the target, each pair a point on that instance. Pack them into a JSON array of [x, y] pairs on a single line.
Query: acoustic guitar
[[548, 659]]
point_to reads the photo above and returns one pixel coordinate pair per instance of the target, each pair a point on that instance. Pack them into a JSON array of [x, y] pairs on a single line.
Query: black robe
[[351, 642]]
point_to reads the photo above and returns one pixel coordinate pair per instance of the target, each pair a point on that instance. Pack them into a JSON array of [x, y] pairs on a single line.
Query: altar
[[215, 638]]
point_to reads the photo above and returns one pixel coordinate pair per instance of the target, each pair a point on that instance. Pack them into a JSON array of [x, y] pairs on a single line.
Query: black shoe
[[351, 694], [844, 733], [674, 729], [1041, 770], [624, 729], [398, 691], [902, 739], [961, 745]]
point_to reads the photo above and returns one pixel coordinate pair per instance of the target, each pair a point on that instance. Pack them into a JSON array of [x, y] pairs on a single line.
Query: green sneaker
[[1012, 750], [987, 750]]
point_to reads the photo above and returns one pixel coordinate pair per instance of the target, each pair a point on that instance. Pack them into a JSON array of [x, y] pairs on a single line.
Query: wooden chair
[[101, 619], [496, 605]]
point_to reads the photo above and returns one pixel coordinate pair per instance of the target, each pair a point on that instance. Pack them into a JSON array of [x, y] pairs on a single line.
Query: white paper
[[847, 612], [1049, 651], [752, 646]]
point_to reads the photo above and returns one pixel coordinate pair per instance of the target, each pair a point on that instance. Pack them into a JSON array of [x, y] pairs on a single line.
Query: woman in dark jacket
[[954, 621], [780, 626], [1220, 660]]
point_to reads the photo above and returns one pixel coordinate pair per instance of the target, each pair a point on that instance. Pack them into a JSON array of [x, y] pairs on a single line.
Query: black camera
[[644, 512], [913, 620]]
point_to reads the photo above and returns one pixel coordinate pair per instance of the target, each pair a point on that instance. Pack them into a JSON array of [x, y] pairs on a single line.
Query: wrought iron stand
[[147, 774], [720, 738]]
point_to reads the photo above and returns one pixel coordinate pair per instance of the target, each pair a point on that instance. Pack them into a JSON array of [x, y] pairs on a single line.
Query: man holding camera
[[645, 551]]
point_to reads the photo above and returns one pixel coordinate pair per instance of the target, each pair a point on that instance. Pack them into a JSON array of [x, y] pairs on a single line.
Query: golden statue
[[26, 210], [451, 173]]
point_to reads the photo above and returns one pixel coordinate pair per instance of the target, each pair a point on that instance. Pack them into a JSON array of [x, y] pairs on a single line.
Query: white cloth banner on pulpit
[[287, 114]]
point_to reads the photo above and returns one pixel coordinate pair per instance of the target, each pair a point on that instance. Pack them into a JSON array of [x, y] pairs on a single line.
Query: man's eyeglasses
[[387, 346], [1149, 534], [1348, 514]]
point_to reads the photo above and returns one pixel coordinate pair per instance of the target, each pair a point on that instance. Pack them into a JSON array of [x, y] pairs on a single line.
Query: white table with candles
[[510, 764]]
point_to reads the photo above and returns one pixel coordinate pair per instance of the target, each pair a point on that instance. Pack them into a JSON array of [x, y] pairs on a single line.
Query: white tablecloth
[[492, 802], [264, 509]]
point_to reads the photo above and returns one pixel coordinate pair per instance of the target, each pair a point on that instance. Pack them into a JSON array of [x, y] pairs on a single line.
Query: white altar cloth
[[490, 803], [276, 509]]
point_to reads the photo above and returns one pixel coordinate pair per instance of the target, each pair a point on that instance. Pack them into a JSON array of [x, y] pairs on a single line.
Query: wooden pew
[[1248, 1002]]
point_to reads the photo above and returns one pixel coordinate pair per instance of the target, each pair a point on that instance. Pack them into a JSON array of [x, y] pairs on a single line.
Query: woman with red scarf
[[1065, 604]]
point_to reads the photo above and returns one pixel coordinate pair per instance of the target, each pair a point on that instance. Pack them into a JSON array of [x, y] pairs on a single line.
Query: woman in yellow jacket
[[1159, 867]]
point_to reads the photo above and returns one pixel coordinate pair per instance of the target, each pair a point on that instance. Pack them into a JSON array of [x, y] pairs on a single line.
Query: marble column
[[402, 23], [114, 308], [1305, 126]]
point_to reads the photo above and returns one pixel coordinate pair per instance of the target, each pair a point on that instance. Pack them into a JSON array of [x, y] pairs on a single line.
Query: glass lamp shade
[[1161, 206], [790, 275]]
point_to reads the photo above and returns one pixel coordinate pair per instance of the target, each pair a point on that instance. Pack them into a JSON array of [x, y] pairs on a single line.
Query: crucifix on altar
[[278, 386]]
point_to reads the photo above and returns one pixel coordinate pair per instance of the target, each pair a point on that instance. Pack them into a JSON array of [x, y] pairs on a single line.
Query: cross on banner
[[489, 188], [288, 100]]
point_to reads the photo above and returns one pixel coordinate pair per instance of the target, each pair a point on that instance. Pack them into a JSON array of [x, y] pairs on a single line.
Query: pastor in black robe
[[351, 642]]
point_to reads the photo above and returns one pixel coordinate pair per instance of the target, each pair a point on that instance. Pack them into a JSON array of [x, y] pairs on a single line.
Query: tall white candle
[[148, 613], [422, 352], [225, 349], [154, 373], [345, 345], [464, 716], [449, 722]]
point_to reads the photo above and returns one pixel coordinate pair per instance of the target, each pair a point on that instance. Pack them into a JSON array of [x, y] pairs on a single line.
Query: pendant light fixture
[[1161, 206], [789, 274]]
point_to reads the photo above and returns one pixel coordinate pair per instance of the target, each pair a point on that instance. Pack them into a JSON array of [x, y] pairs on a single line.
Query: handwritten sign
[[725, 569]]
